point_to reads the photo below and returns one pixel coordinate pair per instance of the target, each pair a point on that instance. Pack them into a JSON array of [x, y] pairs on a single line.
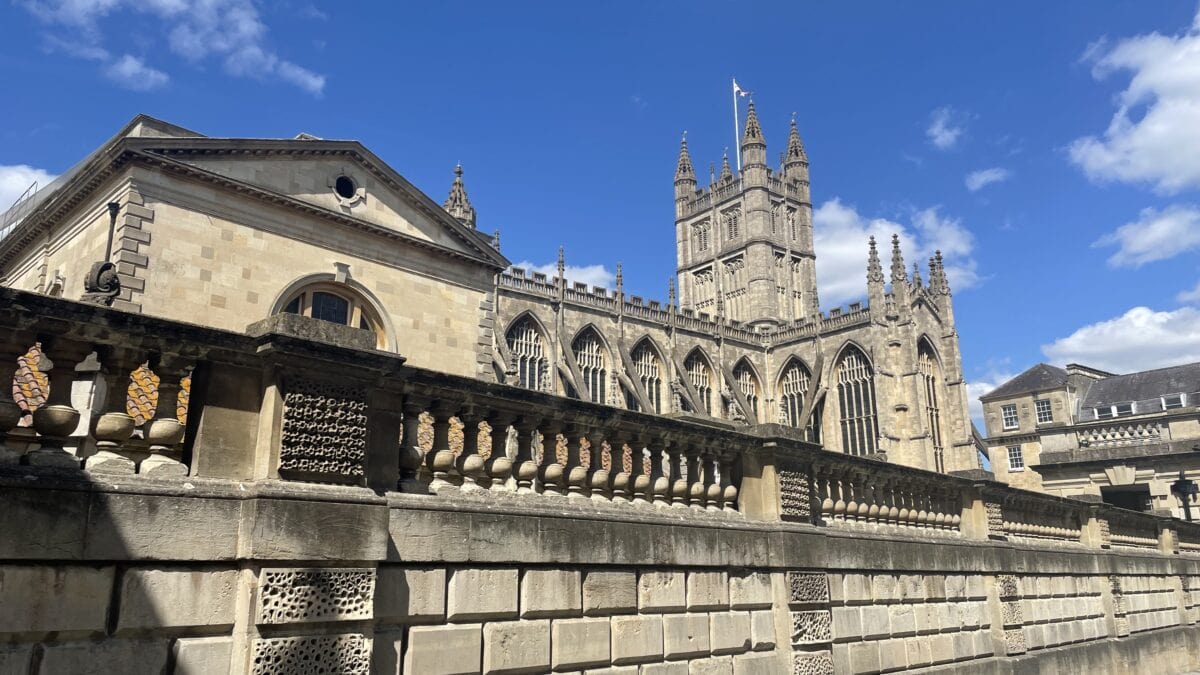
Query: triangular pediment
[[308, 170]]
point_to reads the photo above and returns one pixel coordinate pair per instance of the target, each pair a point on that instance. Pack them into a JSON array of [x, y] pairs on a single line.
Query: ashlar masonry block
[[756, 664], [551, 593], [730, 632], [685, 635], [714, 665], [707, 590], [662, 591], [128, 657], [636, 639], [750, 590], [444, 650], [762, 629], [410, 595], [201, 656], [152, 598], [481, 594], [516, 646], [60, 599], [609, 593], [579, 643]]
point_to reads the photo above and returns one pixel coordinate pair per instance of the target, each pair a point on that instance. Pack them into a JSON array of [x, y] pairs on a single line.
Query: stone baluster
[[165, 432], [440, 458], [729, 492], [679, 486], [904, 502], [56, 419], [577, 473], [113, 429], [660, 480], [824, 483], [639, 481], [924, 516], [499, 466], [839, 504], [619, 477], [886, 501], [852, 488], [713, 494], [14, 345], [868, 510], [597, 474], [470, 463], [411, 456], [695, 480], [525, 469], [551, 476]]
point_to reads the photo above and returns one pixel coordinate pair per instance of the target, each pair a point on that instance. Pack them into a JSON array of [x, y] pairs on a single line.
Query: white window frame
[[1173, 396], [1037, 409], [1105, 412], [1015, 452], [1016, 421], [1132, 409]]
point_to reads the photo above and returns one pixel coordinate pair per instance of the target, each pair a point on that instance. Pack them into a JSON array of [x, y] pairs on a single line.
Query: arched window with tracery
[[701, 232], [336, 303], [748, 384], [648, 368], [856, 403], [701, 378], [525, 343], [731, 219], [793, 389], [929, 373], [590, 355]]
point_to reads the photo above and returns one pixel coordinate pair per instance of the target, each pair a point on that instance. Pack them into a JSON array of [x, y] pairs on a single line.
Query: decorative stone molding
[[324, 431], [812, 627], [805, 587], [310, 595], [345, 654], [795, 494], [812, 663]]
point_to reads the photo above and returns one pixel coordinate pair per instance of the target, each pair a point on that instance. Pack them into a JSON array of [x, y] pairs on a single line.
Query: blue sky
[[1052, 150]]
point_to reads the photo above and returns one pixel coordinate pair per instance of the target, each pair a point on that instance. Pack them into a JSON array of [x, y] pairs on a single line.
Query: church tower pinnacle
[[685, 177], [899, 275], [457, 203]]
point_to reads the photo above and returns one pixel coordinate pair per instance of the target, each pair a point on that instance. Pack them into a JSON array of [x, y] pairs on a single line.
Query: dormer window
[[1107, 412], [1173, 401]]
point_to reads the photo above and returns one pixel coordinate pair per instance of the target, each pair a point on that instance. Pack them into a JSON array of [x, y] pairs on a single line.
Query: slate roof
[[1041, 377], [1148, 384]]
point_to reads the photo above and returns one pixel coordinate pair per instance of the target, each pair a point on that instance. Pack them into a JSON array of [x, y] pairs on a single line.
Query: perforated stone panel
[[806, 588], [1010, 587], [344, 654], [324, 431], [794, 494], [307, 595], [810, 627], [1014, 641], [812, 663]]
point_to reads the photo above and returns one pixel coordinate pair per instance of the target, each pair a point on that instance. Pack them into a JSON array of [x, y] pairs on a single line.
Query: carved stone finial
[[102, 285]]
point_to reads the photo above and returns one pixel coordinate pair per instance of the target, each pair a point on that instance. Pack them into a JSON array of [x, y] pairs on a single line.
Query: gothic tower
[[745, 242]]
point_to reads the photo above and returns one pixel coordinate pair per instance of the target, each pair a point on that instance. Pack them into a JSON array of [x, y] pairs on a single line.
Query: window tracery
[[927, 369], [648, 369], [748, 384], [700, 376], [856, 403], [590, 355], [525, 343]]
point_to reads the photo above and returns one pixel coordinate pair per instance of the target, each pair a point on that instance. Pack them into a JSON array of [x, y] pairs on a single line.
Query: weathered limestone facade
[[1085, 433], [746, 341], [295, 523]]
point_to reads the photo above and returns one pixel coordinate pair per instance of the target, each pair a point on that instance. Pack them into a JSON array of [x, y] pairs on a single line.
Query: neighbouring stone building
[[1076, 431], [227, 231]]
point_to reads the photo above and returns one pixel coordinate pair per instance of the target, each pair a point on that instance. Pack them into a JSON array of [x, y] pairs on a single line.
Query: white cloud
[[1155, 235], [980, 387], [1154, 135], [132, 73], [977, 180], [230, 31], [592, 275], [1191, 295], [840, 239], [15, 179], [946, 127], [1140, 339]]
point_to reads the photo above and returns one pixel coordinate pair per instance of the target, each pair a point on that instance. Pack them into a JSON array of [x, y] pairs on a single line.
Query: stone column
[[410, 444], [56, 419], [525, 469], [597, 474], [729, 490], [551, 475], [470, 464], [639, 482], [679, 485], [112, 429], [499, 467], [576, 472], [619, 477], [165, 432], [660, 482], [440, 458], [713, 494]]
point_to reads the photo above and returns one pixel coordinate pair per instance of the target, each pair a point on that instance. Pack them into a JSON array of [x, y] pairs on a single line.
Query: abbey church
[[229, 231]]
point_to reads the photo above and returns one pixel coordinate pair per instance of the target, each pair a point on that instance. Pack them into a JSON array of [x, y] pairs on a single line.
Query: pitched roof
[[1040, 377], [1146, 385]]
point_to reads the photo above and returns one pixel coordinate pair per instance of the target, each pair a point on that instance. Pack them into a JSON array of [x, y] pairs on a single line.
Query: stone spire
[[899, 274], [620, 280], [795, 148], [458, 204], [874, 268], [562, 263], [916, 276], [684, 172], [726, 172], [671, 292], [753, 134], [938, 283]]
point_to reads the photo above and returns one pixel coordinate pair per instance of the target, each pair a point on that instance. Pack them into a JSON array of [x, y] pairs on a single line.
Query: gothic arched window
[[701, 233], [648, 369], [700, 376], [929, 372], [748, 384], [793, 388], [856, 403], [590, 355], [731, 219], [525, 343], [336, 303]]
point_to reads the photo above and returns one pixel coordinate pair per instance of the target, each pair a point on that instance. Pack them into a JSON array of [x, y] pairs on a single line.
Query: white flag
[[738, 91]]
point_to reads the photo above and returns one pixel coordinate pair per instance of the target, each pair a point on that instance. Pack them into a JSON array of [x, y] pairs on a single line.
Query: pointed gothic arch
[[855, 379], [592, 356], [795, 380], [745, 377], [651, 369], [527, 341], [702, 377], [930, 382]]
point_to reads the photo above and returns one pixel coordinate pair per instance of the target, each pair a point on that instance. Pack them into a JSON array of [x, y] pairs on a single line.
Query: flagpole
[[736, 126]]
